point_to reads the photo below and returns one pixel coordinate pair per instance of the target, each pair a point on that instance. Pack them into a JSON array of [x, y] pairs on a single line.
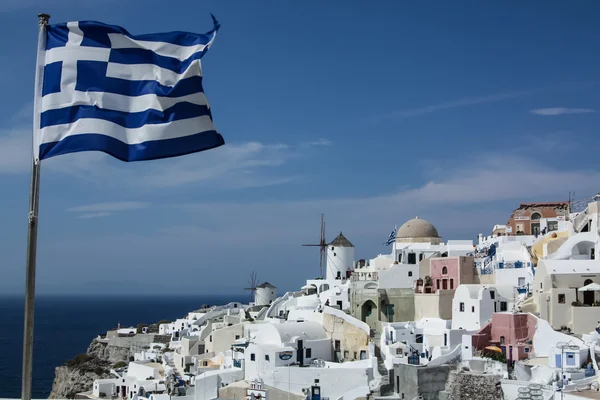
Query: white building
[[274, 345], [473, 305], [416, 240], [141, 378], [561, 297]]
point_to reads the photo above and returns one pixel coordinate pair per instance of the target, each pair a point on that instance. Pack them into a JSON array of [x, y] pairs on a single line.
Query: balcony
[[364, 276]]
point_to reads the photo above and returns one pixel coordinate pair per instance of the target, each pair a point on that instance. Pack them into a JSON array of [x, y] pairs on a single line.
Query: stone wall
[[473, 386]]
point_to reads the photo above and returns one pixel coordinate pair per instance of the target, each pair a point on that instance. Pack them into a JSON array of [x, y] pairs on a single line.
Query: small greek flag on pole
[[135, 97], [392, 238]]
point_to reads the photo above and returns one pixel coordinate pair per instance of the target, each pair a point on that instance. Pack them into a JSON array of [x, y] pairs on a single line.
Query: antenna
[[580, 205], [322, 244], [253, 282]]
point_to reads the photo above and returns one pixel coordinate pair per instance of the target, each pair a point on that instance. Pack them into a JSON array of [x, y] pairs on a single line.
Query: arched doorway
[[588, 296], [369, 313]]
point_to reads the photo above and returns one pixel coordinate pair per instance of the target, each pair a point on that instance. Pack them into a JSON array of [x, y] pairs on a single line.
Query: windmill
[[322, 244], [253, 282]]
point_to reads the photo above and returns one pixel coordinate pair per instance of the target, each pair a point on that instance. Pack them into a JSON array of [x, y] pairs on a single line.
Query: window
[[503, 306], [412, 258], [355, 355], [334, 254], [346, 354], [552, 226], [492, 295], [252, 357], [210, 338], [502, 339], [445, 284], [237, 337], [437, 284], [561, 299], [409, 273], [472, 308], [266, 357], [521, 281], [536, 216], [592, 254], [419, 339], [462, 307], [527, 350], [308, 353], [451, 284], [421, 256], [444, 270], [337, 345]]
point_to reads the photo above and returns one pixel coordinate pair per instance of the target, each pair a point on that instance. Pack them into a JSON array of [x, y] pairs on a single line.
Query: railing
[[364, 276], [515, 264]]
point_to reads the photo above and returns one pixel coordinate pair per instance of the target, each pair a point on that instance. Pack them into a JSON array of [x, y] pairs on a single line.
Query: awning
[[589, 288]]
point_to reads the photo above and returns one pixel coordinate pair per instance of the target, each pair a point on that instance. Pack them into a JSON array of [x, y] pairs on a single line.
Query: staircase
[[385, 386], [580, 221]]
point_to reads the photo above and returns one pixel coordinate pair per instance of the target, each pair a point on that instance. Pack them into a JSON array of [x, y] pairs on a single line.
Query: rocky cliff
[[79, 373]]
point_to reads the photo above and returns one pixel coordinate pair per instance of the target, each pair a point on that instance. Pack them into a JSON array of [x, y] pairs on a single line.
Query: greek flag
[[392, 238], [135, 97]]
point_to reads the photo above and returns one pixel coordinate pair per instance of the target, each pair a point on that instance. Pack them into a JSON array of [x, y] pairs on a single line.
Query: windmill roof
[[341, 241], [265, 285]]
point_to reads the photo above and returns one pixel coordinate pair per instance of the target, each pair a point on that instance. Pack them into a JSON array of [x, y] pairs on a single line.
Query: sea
[[65, 326]]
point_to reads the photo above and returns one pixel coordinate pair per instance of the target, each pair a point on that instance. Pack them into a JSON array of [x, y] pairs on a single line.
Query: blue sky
[[369, 112]]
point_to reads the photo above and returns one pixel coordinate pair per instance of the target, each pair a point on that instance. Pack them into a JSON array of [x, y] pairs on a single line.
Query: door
[[558, 360], [300, 352], [535, 228], [588, 296]]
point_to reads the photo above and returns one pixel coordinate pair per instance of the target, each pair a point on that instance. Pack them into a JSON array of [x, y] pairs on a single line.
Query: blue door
[[558, 361]]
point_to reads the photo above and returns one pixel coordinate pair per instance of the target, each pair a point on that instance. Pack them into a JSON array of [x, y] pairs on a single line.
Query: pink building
[[513, 333], [448, 272]]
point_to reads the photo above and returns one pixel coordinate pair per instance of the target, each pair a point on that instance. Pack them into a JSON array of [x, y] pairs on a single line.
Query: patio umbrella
[[589, 288], [494, 348]]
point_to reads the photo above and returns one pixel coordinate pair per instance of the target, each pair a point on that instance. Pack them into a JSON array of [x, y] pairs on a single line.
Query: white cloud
[[463, 102], [15, 152], [561, 111], [109, 207], [460, 201], [233, 166], [320, 142], [95, 215]]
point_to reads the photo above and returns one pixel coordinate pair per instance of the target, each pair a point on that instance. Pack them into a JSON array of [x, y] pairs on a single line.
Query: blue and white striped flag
[[392, 238], [135, 97]]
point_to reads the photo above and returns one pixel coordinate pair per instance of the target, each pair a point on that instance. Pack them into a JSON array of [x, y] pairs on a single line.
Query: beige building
[[220, 340], [350, 339]]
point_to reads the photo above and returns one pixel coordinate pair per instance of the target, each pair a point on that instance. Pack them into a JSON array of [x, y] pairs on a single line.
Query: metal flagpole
[[34, 197]]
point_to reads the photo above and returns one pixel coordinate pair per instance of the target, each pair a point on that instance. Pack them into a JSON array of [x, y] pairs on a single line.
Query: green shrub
[[120, 364], [78, 360]]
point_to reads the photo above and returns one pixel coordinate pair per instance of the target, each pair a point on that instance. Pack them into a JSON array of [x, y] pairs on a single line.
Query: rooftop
[[341, 241]]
